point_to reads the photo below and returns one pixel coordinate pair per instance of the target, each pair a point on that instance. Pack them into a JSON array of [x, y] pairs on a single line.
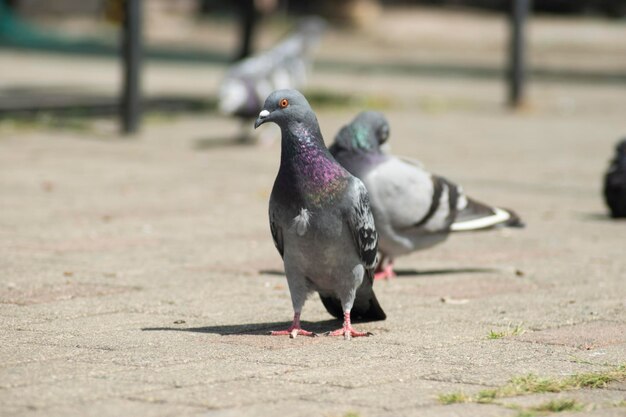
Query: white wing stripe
[[499, 216]]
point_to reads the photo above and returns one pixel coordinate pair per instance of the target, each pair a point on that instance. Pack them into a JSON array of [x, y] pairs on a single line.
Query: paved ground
[[138, 277]]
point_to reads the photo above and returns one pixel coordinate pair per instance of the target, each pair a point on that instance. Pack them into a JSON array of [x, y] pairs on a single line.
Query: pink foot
[[385, 273], [294, 330], [347, 331]]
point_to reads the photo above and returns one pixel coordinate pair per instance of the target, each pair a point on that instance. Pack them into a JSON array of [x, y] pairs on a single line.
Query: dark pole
[[249, 17], [517, 51], [131, 54]]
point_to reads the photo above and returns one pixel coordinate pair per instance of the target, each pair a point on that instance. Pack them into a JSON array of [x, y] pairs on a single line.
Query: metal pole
[[249, 17], [132, 57], [517, 51]]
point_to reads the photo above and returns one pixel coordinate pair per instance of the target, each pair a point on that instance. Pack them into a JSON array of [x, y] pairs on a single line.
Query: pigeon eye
[[283, 103]]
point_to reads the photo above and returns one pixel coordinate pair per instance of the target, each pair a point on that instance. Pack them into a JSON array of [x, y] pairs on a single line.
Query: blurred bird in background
[[285, 66], [615, 182]]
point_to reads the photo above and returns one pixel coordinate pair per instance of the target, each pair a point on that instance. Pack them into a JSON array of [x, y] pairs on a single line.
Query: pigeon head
[[283, 107], [366, 133]]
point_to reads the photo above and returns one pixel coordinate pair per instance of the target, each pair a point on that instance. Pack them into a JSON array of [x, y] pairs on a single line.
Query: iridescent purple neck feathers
[[307, 164]]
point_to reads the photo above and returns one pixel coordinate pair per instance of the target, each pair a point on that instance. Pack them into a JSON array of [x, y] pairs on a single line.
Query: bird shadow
[[274, 272], [599, 217], [402, 273], [443, 271], [255, 329]]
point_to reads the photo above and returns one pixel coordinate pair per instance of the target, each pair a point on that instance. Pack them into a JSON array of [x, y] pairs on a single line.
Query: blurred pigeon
[[284, 66], [615, 182], [320, 220], [413, 208]]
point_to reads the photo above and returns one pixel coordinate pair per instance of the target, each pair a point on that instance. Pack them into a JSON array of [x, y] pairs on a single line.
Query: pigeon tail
[[478, 216]]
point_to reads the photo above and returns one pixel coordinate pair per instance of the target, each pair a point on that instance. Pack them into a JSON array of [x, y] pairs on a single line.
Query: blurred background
[[63, 60]]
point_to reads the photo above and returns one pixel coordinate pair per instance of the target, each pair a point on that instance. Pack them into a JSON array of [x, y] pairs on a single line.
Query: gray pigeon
[[320, 220], [284, 66], [615, 182], [413, 209]]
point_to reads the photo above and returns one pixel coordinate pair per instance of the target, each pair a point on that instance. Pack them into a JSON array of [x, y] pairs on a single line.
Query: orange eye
[[283, 103]]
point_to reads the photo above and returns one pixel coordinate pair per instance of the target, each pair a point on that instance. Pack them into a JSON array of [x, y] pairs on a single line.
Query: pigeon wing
[[277, 234], [409, 197], [361, 223]]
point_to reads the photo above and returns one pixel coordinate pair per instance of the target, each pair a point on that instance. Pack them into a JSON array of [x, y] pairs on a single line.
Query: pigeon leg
[[347, 331], [386, 271], [294, 330]]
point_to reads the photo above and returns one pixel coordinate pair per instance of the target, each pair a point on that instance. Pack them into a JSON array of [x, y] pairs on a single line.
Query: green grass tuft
[[533, 384], [547, 408], [558, 405], [454, 398], [510, 331], [486, 396], [495, 335]]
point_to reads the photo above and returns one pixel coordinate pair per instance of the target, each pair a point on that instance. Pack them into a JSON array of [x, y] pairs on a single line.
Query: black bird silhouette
[[615, 182]]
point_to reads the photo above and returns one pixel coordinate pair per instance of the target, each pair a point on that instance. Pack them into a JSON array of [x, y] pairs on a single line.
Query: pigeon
[[615, 182], [413, 209], [320, 220], [249, 81]]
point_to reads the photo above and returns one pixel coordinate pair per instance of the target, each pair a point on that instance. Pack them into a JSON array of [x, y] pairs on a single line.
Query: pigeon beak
[[262, 118]]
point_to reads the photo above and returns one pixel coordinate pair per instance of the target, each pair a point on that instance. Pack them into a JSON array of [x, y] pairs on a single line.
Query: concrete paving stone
[[586, 336], [242, 392], [487, 352], [158, 354], [443, 332], [100, 323], [14, 410], [406, 395], [500, 372], [318, 353], [21, 317], [334, 352], [371, 372], [75, 391], [545, 311], [609, 355], [13, 352], [91, 340], [51, 371], [190, 374], [295, 407], [458, 410], [167, 300], [112, 407], [471, 287], [52, 293]]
